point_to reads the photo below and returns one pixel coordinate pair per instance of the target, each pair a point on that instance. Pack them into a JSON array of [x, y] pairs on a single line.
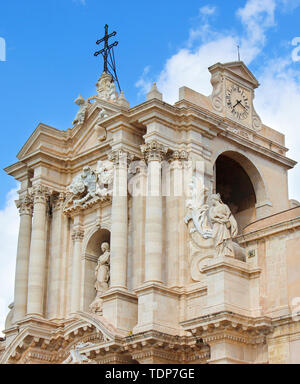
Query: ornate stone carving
[[120, 157], [211, 219], [198, 209], [91, 185], [102, 274], [224, 226], [77, 235], [76, 357], [40, 193], [25, 204], [179, 155], [80, 116], [216, 97], [58, 201], [106, 88], [154, 151], [256, 121]]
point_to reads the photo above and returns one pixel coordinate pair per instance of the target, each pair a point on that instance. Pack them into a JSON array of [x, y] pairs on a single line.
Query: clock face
[[237, 102]]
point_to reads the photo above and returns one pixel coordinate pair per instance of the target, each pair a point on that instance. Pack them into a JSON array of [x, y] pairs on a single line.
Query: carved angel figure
[[224, 226], [80, 116]]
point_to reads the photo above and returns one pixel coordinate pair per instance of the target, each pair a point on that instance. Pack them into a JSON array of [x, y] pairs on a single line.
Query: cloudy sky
[[49, 60]]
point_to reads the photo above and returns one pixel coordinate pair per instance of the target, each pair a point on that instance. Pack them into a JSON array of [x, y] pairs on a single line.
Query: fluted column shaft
[[22, 262], [154, 154], [119, 220], [37, 262], [77, 238], [56, 258]]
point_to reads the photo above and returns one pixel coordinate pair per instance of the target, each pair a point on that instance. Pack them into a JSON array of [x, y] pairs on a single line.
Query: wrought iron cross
[[108, 54]]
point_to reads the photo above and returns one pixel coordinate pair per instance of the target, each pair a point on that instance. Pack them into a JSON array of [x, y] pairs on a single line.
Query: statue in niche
[[224, 226], [80, 116], [103, 269], [102, 274]]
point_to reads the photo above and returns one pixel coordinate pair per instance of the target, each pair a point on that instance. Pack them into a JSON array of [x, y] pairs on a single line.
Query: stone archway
[[92, 252], [241, 187]]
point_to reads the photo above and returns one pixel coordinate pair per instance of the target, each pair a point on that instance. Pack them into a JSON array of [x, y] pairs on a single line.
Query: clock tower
[[233, 93]]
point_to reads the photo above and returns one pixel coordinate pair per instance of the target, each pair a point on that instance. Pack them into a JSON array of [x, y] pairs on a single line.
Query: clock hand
[[238, 102]]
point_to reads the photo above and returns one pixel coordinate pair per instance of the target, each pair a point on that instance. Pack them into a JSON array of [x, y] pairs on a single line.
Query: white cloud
[[144, 82], [207, 10], [278, 98], [9, 228]]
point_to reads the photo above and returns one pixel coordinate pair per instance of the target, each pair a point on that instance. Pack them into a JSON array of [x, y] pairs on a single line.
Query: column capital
[[179, 155], [25, 205], [77, 235], [154, 151], [40, 193], [58, 201], [120, 157]]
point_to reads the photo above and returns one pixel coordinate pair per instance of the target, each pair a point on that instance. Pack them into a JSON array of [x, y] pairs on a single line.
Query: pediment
[[238, 69], [47, 137]]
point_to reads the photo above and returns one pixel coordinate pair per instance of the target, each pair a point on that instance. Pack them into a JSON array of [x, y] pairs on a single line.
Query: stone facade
[[157, 234]]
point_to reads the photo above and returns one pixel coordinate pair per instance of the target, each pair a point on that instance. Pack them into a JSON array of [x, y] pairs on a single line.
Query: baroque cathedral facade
[[157, 233]]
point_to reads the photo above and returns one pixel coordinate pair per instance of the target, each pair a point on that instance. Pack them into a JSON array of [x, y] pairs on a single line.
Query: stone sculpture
[[102, 271], [91, 184], [224, 226], [102, 274], [80, 116], [212, 219], [76, 357]]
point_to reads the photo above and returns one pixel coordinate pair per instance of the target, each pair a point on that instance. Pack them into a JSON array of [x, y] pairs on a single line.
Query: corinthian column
[[154, 154], [37, 262], [21, 278], [77, 237], [119, 221]]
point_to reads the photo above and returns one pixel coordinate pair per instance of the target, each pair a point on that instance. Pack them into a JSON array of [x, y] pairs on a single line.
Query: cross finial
[[108, 54]]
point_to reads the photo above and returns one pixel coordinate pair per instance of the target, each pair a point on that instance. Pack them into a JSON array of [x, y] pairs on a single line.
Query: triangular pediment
[[238, 69]]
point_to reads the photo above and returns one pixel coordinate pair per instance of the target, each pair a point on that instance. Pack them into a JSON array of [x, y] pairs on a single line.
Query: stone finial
[[122, 100], [106, 89], [154, 93]]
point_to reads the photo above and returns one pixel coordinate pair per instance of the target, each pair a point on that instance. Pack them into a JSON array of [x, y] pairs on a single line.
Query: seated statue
[[224, 227]]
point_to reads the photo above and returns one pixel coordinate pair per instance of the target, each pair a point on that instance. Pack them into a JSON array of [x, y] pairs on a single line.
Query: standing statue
[[224, 226], [102, 274]]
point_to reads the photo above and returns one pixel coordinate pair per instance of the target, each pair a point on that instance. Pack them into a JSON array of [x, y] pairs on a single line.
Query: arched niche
[[241, 187], [91, 255]]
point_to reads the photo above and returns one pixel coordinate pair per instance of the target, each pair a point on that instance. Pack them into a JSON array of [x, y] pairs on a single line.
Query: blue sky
[[50, 46], [49, 61]]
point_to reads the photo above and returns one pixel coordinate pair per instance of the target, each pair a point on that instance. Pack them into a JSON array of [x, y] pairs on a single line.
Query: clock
[[237, 102]]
